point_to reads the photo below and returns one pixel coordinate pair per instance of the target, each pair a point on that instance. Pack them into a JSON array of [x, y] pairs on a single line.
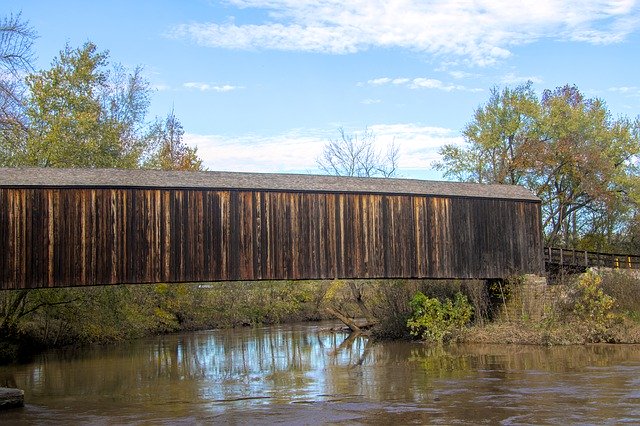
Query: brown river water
[[303, 374]]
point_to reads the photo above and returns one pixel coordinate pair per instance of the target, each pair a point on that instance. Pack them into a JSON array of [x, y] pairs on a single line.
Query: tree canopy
[[16, 55], [86, 112], [566, 148]]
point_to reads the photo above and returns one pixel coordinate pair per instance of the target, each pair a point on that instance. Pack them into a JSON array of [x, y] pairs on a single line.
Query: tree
[[171, 153], [583, 167], [353, 155], [567, 149], [16, 40], [81, 115]]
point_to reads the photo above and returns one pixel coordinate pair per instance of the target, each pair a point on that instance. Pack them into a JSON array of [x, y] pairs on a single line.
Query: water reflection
[[302, 373]]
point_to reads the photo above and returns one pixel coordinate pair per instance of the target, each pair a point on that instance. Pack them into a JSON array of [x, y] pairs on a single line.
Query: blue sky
[[261, 85]]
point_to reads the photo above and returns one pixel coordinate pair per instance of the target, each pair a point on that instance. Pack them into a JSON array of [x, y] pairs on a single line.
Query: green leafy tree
[[567, 149], [80, 117], [84, 113]]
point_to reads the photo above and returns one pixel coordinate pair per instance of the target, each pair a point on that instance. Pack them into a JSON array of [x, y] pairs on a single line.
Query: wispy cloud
[[296, 151], [512, 78], [161, 87], [458, 75], [419, 83], [631, 91], [206, 87], [482, 31], [370, 101]]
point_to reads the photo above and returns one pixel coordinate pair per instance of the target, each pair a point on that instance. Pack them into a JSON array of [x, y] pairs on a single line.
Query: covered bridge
[[76, 227]]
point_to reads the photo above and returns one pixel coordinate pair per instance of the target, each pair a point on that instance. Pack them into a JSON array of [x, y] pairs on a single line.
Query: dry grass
[[569, 333], [559, 324]]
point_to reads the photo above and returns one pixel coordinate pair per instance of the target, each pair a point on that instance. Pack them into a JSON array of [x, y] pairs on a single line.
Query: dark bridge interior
[[74, 227]]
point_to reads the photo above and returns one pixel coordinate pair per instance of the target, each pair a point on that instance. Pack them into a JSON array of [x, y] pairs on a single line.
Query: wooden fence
[[560, 258]]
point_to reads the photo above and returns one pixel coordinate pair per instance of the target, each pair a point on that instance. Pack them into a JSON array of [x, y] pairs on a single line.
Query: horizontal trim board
[[119, 178]]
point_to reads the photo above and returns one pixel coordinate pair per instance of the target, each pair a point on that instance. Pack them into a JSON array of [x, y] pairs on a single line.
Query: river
[[304, 374]]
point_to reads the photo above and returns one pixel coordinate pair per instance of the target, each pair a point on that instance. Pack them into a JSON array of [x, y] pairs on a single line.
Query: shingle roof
[[110, 178]]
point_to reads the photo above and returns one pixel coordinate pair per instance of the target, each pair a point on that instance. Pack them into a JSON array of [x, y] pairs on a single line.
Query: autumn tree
[[357, 155], [567, 149], [170, 151], [499, 139], [583, 168]]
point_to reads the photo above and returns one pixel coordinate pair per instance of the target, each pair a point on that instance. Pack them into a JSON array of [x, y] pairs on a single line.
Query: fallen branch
[[346, 320]]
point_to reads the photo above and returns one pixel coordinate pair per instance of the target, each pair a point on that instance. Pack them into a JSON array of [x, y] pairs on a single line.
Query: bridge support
[[528, 300]]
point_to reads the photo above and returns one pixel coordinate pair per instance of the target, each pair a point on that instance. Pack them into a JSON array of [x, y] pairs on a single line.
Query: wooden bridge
[[574, 261], [74, 227]]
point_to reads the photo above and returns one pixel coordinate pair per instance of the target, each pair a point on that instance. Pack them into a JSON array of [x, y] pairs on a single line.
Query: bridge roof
[[119, 178]]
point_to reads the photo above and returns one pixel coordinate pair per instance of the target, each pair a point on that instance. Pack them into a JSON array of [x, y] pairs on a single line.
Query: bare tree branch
[[357, 155]]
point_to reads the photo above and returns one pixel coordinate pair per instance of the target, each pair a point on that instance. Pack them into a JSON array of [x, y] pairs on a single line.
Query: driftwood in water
[[11, 398], [346, 320], [350, 322]]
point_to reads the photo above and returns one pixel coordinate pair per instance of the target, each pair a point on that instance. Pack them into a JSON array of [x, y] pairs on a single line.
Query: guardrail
[[569, 258]]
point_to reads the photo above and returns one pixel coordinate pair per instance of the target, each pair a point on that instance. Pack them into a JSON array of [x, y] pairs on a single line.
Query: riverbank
[[539, 333], [601, 308]]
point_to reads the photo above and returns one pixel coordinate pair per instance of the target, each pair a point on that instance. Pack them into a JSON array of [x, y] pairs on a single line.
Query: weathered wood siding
[[52, 237]]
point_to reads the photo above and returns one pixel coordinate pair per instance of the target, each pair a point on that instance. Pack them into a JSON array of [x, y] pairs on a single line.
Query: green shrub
[[593, 304], [435, 321]]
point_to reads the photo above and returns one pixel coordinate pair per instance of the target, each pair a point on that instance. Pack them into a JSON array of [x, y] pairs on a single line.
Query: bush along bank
[[594, 307]]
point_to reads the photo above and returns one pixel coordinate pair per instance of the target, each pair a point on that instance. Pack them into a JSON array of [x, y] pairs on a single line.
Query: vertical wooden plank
[[4, 249], [295, 235], [256, 205], [246, 253]]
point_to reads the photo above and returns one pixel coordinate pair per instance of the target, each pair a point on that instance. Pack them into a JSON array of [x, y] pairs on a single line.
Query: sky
[[263, 85]]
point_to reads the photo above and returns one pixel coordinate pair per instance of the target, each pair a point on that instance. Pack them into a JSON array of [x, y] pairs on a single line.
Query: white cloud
[[370, 101], [206, 87], [419, 145], [419, 83], [480, 30], [296, 151]]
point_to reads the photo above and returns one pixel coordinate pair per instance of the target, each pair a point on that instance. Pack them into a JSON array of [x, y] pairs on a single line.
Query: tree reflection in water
[[282, 373]]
